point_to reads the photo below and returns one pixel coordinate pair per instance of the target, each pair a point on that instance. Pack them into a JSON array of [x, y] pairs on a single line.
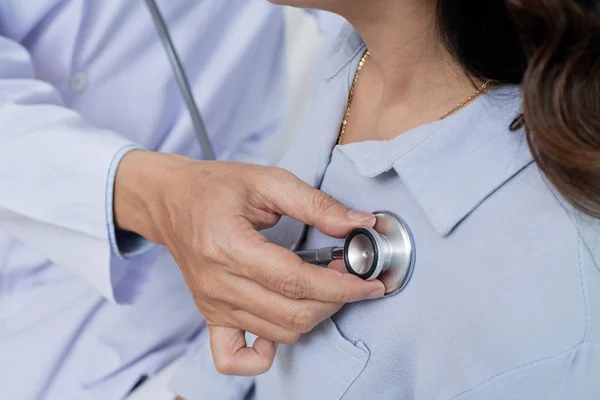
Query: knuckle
[[264, 365], [270, 219], [207, 248], [282, 174], [302, 320], [322, 201], [211, 287], [273, 184], [213, 290], [207, 309], [266, 177], [290, 337], [340, 295], [225, 365], [291, 286]]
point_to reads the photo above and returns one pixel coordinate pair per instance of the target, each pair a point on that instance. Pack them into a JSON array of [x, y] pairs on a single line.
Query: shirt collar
[[328, 23], [451, 166], [346, 46]]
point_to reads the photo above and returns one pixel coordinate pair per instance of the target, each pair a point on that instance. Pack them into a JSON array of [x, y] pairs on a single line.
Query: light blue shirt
[[504, 302], [82, 83]]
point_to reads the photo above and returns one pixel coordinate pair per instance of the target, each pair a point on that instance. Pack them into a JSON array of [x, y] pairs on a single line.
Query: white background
[[302, 47]]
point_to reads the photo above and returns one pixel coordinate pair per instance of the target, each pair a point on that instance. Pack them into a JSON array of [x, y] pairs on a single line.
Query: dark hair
[[551, 48]]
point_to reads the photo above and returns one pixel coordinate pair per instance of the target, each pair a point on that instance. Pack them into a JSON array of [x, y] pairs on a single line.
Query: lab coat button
[[78, 82]]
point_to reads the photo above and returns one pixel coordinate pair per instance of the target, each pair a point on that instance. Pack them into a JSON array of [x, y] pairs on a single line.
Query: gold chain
[[362, 63], [467, 100]]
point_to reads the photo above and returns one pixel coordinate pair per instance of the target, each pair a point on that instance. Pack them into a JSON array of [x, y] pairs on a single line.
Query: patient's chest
[[414, 335], [473, 307]]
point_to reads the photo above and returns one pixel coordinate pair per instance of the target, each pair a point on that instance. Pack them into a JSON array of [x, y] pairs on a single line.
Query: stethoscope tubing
[[206, 147]]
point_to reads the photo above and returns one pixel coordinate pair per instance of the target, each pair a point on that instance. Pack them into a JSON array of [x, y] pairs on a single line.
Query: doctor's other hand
[[209, 215]]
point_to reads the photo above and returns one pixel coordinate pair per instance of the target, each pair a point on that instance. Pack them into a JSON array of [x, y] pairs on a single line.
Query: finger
[[280, 270], [264, 329], [288, 315], [338, 265], [313, 207], [232, 356]]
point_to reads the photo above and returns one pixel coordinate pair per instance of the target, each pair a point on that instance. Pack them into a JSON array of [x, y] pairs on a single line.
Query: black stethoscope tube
[[206, 147]]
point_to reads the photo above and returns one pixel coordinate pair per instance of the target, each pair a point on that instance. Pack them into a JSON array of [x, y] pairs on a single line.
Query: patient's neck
[[405, 45], [410, 78]]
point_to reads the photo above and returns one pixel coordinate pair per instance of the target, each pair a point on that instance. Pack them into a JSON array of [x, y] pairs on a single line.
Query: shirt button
[[78, 82]]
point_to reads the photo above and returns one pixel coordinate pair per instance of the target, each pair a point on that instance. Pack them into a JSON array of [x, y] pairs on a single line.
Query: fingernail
[[360, 216], [376, 294]]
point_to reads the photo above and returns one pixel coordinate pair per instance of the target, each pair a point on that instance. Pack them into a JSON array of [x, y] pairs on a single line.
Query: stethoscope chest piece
[[384, 252]]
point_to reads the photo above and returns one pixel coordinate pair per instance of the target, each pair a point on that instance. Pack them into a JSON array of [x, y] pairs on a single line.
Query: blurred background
[[304, 43]]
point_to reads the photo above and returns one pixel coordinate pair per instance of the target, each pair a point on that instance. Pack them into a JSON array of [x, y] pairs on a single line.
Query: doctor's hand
[[209, 215]]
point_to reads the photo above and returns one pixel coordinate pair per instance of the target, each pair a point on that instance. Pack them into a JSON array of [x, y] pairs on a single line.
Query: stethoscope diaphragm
[[385, 252]]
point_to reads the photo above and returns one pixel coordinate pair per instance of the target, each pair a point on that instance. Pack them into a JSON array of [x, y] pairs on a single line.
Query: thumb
[[313, 207]]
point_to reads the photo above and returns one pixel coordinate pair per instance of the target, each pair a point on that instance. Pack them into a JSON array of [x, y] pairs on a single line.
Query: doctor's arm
[[209, 215], [56, 196]]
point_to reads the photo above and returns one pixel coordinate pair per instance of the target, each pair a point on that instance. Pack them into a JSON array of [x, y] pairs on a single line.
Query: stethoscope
[[385, 252]]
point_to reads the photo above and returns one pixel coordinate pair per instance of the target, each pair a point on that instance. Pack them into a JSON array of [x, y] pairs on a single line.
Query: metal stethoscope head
[[385, 252]]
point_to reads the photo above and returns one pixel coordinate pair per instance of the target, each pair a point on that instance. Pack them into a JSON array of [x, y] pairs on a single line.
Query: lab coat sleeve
[[571, 374], [54, 178], [125, 245]]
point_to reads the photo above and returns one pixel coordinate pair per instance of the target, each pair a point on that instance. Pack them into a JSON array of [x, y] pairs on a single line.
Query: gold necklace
[[361, 64]]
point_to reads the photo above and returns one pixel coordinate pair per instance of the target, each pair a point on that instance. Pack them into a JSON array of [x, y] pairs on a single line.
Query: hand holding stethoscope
[[385, 252]]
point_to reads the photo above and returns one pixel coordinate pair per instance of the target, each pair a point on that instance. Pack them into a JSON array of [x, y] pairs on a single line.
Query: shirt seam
[[400, 154], [584, 242], [436, 131], [397, 156], [364, 366], [346, 62], [586, 306], [581, 245], [366, 353], [584, 341], [525, 366]]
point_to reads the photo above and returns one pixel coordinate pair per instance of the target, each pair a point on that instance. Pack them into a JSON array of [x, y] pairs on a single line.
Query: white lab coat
[[81, 83]]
